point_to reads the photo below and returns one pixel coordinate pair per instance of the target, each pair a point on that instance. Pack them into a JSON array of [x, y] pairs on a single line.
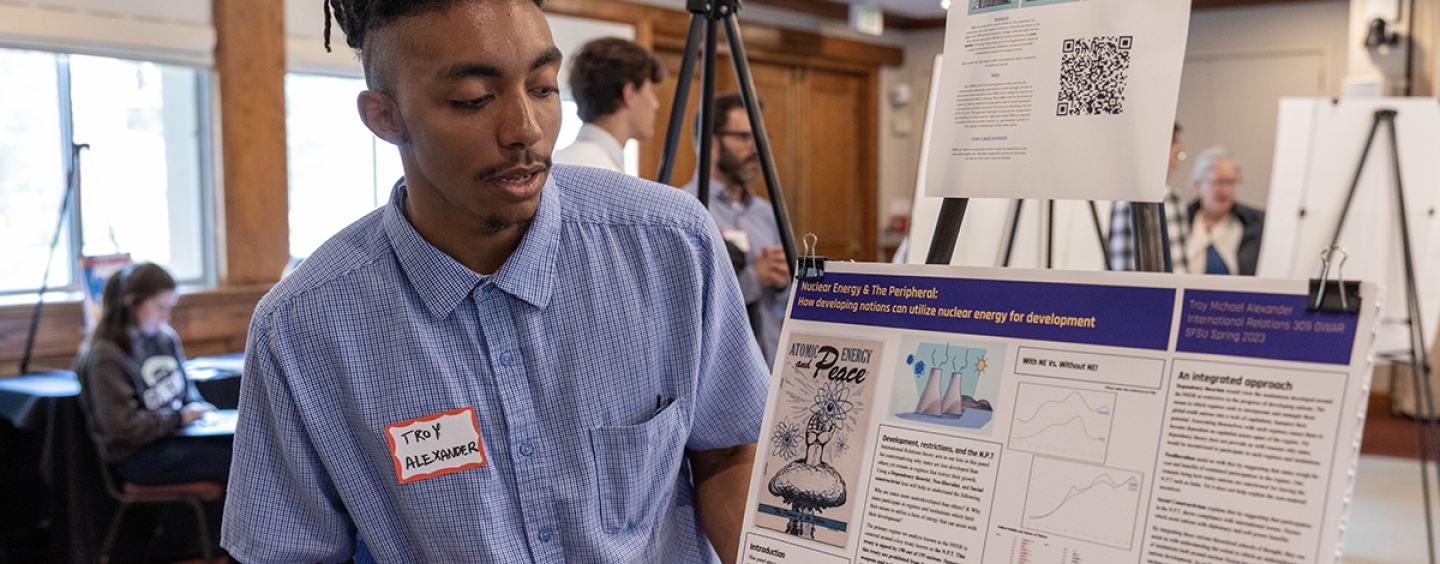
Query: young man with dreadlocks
[[506, 363]]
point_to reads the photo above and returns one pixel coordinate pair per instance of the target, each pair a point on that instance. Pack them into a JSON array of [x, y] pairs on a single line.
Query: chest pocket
[[635, 463]]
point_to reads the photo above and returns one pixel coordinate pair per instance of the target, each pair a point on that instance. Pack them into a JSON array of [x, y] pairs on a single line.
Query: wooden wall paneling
[[209, 323], [769, 43], [609, 10], [1425, 64], [774, 85], [834, 178], [798, 192], [56, 341], [254, 230], [868, 161]]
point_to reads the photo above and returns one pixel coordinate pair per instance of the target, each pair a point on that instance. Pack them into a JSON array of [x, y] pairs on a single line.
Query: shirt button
[[546, 533], [526, 448], [507, 359]]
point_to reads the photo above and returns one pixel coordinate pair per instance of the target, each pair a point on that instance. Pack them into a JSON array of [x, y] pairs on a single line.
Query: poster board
[[95, 270], [952, 414], [1317, 149], [1030, 87], [987, 221]]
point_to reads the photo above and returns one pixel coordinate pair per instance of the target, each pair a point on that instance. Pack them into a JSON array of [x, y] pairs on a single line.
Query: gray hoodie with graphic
[[133, 397]]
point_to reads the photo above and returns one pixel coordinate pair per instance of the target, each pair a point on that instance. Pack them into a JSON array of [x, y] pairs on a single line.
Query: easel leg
[[1425, 417], [1014, 227], [1427, 429], [1149, 242], [682, 98], [1100, 234], [947, 230]]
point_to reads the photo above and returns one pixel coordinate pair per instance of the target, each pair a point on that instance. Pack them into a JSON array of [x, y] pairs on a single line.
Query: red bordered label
[[436, 445]]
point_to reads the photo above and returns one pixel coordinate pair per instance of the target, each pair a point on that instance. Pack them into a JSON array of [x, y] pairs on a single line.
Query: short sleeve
[[281, 505]]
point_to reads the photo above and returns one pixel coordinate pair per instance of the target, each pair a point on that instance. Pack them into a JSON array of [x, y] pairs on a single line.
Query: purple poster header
[[1118, 316], [1274, 326]]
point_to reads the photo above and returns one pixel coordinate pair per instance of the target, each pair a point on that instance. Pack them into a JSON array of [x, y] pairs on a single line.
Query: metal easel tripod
[[1050, 233], [705, 17], [1150, 246], [1426, 427]]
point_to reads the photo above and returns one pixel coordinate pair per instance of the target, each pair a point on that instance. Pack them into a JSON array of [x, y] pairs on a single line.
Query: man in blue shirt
[[505, 363], [746, 220]]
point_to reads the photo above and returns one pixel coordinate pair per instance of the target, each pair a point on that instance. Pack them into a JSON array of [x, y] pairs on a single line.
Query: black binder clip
[[809, 267], [1338, 296]]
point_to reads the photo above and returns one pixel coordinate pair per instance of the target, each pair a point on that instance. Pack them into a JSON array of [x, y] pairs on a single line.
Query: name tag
[[436, 445], [738, 238]]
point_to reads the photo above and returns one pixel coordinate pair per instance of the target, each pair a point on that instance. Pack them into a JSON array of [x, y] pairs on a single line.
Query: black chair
[[193, 494]]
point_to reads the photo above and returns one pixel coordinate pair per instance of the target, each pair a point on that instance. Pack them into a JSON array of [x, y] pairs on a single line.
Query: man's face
[[738, 160], [643, 108], [1217, 189], [1177, 151], [477, 94]]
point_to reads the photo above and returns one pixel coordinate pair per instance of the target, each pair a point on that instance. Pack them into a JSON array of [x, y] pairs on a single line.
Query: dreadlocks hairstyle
[[359, 17]]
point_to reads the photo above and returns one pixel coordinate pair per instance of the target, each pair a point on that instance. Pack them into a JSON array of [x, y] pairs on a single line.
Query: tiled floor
[[1387, 516]]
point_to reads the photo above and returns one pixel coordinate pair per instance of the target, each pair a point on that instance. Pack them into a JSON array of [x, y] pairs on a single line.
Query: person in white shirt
[[1224, 234], [613, 82]]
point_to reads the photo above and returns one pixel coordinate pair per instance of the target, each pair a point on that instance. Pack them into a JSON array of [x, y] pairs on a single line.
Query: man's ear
[[382, 116], [628, 93]]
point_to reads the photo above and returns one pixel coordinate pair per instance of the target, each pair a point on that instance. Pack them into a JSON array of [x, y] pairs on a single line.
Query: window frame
[[72, 222]]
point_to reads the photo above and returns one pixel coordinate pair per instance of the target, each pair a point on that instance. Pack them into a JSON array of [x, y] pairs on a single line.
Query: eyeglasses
[[742, 136]]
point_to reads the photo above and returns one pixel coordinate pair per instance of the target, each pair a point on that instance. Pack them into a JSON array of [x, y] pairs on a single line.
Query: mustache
[[526, 159]]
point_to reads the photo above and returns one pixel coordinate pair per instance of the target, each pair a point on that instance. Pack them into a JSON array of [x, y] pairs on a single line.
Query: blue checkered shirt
[[620, 294]]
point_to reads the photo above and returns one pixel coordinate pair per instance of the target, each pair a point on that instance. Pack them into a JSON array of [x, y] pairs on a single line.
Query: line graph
[[1091, 503], [1063, 422]]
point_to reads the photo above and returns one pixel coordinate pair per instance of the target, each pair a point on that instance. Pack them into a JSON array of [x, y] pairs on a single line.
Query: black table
[[51, 462]]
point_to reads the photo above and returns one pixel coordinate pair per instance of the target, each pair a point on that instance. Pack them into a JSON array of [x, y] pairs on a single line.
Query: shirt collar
[[442, 282], [613, 148], [720, 191]]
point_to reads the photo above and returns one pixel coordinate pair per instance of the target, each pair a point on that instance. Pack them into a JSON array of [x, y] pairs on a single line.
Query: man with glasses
[[746, 221], [1224, 234]]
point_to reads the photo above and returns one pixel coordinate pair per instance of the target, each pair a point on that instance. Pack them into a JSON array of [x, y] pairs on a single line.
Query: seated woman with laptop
[[134, 390]]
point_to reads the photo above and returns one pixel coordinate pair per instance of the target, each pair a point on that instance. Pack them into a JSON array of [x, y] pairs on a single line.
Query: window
[[339, 171], [143, 177]]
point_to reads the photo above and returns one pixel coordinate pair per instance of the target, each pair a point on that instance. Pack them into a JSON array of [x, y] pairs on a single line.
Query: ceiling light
[[945, 4]]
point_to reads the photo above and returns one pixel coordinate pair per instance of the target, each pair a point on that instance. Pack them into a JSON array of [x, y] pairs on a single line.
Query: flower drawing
[[786, 440]]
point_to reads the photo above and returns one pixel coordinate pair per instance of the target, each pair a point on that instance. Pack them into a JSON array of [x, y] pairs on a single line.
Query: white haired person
[[1224, 234]]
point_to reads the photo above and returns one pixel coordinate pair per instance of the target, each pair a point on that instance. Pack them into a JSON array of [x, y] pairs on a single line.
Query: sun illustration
[[980, 365]]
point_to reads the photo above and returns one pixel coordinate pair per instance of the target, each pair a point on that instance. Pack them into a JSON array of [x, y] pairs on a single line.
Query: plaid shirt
[[1122, 236], [611, 341]]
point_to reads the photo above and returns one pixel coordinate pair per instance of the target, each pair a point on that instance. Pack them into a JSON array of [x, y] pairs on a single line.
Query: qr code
[[1092, 75]]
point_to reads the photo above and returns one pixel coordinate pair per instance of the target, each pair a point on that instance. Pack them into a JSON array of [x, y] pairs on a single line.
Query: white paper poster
[[1057, 99], [951, 414]]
